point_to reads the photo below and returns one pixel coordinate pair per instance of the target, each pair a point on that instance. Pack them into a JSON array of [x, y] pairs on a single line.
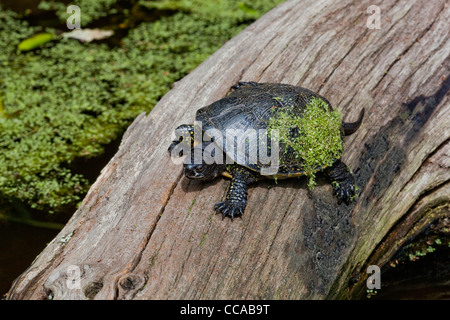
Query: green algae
[[317, 142], [67, 100]]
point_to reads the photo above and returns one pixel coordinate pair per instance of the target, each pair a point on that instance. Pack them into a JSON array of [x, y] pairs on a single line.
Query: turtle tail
[[351, 127]]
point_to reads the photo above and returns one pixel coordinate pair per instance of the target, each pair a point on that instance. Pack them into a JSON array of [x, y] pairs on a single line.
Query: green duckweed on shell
[[317, 141]]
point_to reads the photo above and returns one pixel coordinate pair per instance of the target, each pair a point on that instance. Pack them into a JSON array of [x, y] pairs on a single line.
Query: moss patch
[[314, 136]]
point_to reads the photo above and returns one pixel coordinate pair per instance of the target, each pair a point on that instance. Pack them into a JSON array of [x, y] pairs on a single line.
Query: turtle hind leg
[[343, 182]]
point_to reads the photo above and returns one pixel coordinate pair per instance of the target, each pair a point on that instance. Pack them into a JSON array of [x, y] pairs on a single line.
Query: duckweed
[[318, 140], [67, 100]]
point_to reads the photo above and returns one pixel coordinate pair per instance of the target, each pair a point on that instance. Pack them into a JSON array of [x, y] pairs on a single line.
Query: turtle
[[253, 106]]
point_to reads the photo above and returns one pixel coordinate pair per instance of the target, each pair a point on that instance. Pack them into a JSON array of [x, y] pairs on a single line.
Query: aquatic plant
[[317, 140], [65, 100]]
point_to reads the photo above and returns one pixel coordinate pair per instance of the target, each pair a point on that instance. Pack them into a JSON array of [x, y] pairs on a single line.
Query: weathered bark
[[146, 232]]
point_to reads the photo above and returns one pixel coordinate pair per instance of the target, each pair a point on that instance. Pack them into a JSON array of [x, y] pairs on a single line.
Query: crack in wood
[[398, 58], [138, 257], [429, 156], [386, 249]]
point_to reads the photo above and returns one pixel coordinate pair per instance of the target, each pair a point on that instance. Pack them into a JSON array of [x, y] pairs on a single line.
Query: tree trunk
[[144, 231]]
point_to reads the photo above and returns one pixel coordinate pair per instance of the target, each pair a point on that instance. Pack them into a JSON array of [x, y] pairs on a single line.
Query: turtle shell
[[251, 107]]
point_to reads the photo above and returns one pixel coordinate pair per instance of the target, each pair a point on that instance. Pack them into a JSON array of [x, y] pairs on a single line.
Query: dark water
[[428, 278], [19, 245]]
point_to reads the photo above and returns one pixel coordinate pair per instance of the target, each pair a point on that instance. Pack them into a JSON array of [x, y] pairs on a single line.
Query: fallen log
[[144, 231]]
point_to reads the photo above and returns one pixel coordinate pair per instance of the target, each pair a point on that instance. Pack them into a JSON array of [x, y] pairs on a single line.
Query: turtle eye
[[200, 169]]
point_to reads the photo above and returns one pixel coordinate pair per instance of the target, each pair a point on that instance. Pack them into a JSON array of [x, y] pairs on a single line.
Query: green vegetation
[[416, 251], [371, 293], [64, 100], [432, 240], [317, 142], [35, 42]]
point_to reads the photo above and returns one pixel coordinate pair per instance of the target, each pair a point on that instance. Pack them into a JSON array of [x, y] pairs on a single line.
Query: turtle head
[[197, 168], [203, 171]]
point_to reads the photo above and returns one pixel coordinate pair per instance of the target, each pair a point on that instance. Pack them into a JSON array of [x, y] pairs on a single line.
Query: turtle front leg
[[343, 182], [236, 199], [185, 133]]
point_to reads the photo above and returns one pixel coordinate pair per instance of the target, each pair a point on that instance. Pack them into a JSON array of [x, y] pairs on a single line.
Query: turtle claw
[[231, 209], [344, 191]]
